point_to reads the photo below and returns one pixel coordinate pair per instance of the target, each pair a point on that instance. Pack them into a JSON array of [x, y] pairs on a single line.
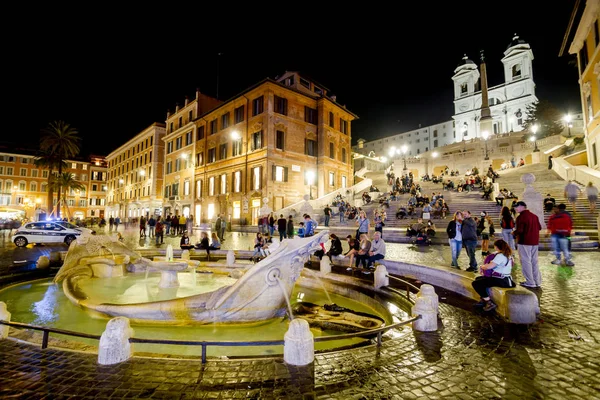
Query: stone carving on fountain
[[257, 295]]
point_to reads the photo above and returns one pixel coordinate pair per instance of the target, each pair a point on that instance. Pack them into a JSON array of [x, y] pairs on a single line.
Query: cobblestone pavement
[[471, 356]]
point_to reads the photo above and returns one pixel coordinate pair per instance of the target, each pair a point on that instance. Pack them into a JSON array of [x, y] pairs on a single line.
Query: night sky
[[111, 77]]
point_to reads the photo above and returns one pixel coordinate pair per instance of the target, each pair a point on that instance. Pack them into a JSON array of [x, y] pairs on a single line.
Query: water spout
[[287, 298], [320, 283], [103, 248], [169, 253]]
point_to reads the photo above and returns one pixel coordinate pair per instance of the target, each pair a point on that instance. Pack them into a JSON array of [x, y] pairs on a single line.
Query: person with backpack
[[507, 224]]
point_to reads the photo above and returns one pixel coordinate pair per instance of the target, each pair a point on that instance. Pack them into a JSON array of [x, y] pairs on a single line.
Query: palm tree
[[66, 181], [61, 141], [50, 162]]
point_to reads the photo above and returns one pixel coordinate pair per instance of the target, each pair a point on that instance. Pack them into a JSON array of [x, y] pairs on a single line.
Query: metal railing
[[46, 333], [408, 286]]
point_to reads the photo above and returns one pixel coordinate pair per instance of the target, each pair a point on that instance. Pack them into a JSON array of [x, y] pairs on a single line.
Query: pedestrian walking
[[290, 228], [550, 161], [111, 223], [151, 226], [218, 224], [282, 227], [559, 230], [142, 227], [527, 235], [591, 192], [224, 227], [572, 191]]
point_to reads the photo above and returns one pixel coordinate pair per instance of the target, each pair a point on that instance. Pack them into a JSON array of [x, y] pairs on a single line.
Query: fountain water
[[285, 295], [314, 274], [169, 253]]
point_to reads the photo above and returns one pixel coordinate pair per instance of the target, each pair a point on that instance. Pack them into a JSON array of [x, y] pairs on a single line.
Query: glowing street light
[[142, 173], [310, 176], [235, 135], [435, 154], [404, 149], [485, 135], [534, 129], [568, 119]]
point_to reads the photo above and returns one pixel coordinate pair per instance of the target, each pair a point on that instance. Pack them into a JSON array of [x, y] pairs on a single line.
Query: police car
[[44, 232]]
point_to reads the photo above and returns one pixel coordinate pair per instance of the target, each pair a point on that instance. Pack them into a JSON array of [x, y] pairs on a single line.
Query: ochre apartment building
[[274, 143], [584, 38], [24, 187]]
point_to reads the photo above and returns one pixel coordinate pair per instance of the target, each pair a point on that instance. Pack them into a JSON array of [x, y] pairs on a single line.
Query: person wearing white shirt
[[377, 250], [592, 194], [495, 273]]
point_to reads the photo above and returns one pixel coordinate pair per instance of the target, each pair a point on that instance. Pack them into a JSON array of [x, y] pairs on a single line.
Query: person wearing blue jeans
[[377, 250], [469, 238], [455, 239], [342, 210]]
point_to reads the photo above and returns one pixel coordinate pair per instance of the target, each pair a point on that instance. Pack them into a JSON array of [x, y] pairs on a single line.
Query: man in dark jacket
[[282, 227], [527, 235], [469, 237], [290, 228]]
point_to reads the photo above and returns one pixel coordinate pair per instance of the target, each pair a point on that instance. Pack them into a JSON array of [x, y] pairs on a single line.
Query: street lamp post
[[534, 129], [404, 149], [486, 135], [568, 121], [309, 178]]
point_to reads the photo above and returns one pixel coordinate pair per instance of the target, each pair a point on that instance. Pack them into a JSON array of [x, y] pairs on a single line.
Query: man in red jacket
[[559, 229], [527, 235]]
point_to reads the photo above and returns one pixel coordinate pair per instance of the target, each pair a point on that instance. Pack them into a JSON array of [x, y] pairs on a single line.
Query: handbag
[[491, 273]]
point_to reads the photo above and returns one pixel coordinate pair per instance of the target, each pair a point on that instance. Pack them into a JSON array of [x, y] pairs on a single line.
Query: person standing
[[550, 161], [469, 237], [527, 235], [224, 227], [591, 192], [363, 224], [327, 212], [218, 224], [507, 224], [111, 222], [454, 231], [271, 224], [282, 227], [142, 227], [151, 226], [559, 229], [571, 193], [159, 230], [378, 221], [342, 211], [117, 222], [182, 224], [290, 227]]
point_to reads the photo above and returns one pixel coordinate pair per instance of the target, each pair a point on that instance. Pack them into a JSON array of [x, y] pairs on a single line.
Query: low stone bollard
[[381, 277], [114, 342], [230, 258], [299, 346], [428, 321], [325, 265], [429, 291], [4, 316], [43, 262], [185, 255]]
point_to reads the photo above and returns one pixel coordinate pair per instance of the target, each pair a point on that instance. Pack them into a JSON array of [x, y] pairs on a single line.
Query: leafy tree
[[60, 140], [66, 182], [546, 116]]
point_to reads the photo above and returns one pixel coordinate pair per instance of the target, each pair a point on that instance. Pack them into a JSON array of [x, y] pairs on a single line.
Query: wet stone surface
[[471, 356]]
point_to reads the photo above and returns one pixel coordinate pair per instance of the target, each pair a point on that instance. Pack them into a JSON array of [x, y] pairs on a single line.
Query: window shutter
[[233, 182], [274, 170], [260, 173], [285, 174], [260, 140], [305, 146]]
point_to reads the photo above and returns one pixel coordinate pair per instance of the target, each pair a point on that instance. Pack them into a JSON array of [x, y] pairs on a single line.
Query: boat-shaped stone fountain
[[261, 293]]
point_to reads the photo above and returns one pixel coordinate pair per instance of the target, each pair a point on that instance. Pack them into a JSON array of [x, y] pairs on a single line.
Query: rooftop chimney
[[187, 99]]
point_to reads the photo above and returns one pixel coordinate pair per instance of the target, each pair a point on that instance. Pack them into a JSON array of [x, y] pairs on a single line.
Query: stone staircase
[[547, 181]]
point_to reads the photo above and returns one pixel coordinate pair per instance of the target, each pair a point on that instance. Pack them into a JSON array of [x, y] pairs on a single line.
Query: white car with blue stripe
[[44, 232]]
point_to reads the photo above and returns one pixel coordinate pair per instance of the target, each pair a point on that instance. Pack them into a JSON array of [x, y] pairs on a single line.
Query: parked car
[[45, 232], [76, 227]]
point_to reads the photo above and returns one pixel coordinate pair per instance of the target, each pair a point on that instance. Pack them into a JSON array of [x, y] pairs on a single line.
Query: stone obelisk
[[485, 122]]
